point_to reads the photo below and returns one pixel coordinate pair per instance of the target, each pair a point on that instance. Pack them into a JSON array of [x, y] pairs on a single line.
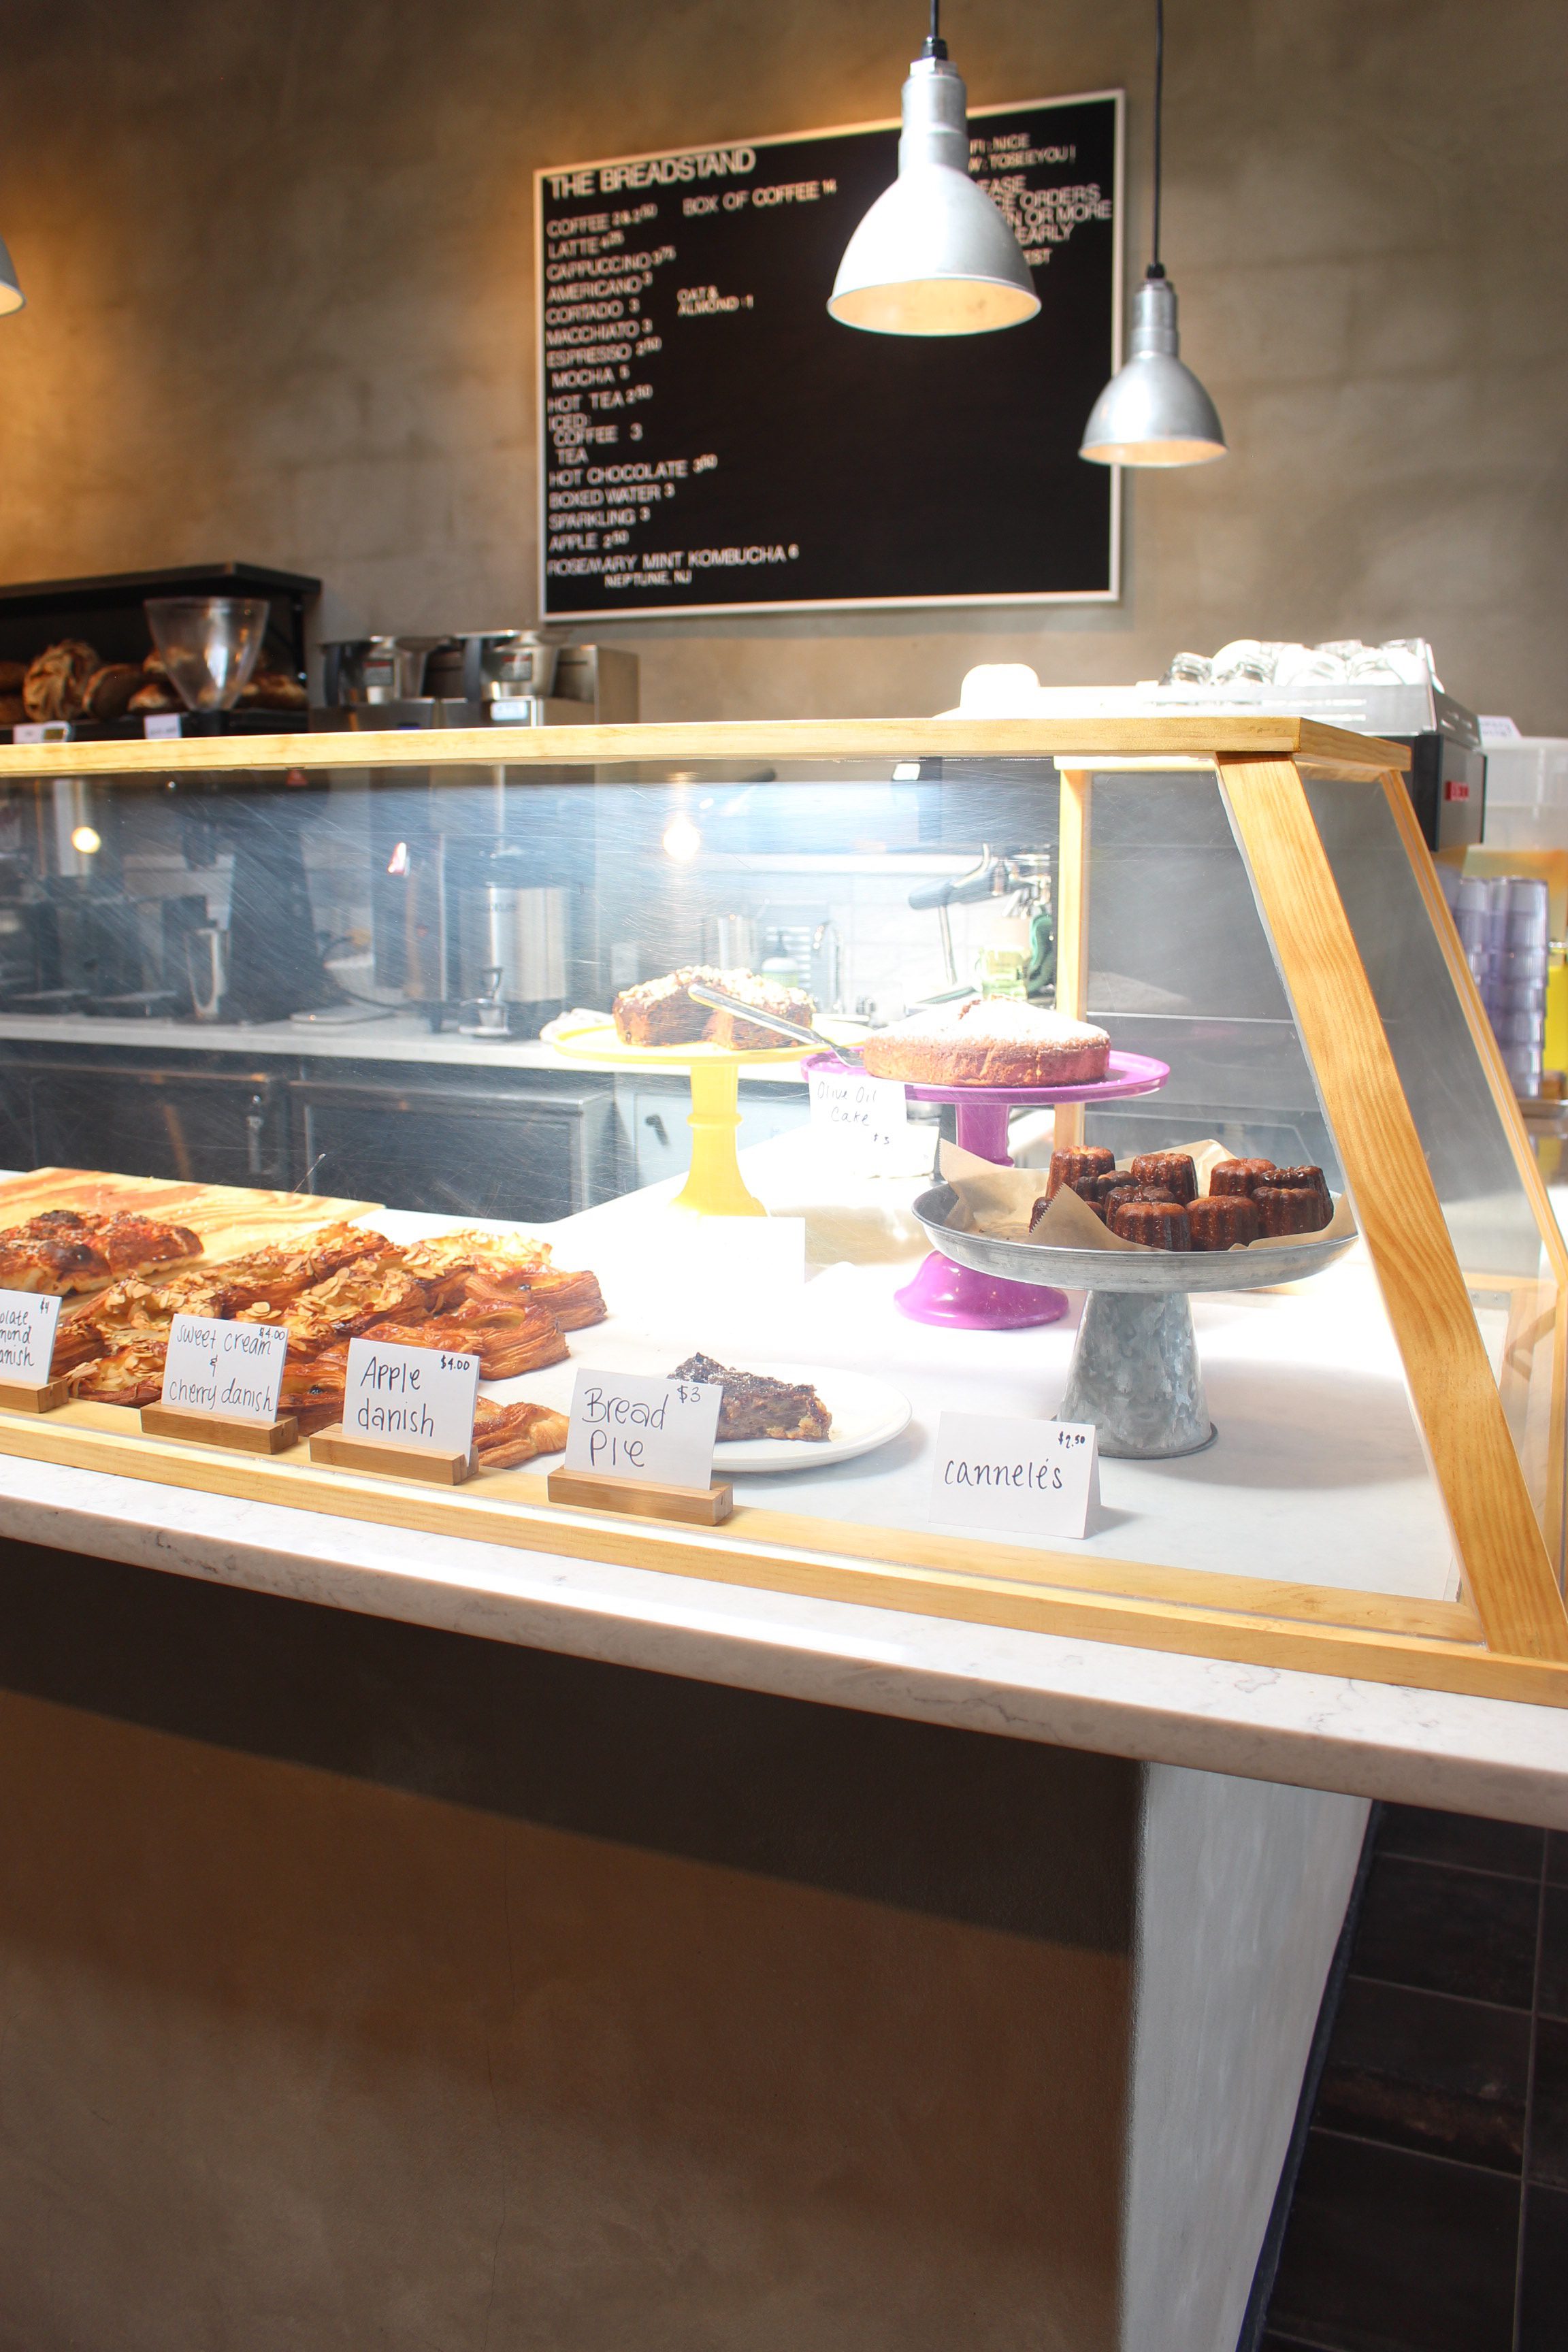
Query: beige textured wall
[[279, 262]]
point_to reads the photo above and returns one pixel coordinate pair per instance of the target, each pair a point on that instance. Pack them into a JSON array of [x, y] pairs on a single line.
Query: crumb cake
[[756, 1406], [663, 1012], [990, 1042]]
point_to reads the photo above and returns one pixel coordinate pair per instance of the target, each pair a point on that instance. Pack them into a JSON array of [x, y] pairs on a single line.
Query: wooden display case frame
[[1505, 1635]]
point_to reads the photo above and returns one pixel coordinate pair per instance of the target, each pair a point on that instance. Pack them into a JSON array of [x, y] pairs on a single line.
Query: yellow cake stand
[[714, 1186]]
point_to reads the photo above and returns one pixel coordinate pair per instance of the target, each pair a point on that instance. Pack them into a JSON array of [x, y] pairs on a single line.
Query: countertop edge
[[1488, 1756]]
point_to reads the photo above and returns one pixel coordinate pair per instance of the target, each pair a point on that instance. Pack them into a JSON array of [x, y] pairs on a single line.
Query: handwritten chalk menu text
[[712, 441]]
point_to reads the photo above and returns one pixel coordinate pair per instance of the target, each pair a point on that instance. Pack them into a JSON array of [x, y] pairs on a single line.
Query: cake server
[[853, 1057]]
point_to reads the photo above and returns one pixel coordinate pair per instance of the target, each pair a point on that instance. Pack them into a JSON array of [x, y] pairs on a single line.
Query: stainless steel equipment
[[478, 678], [206, 960], [369, 672], [520, 933]]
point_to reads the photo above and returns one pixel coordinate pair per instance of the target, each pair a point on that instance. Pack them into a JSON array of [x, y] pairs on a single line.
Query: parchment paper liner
[[996, 1201]]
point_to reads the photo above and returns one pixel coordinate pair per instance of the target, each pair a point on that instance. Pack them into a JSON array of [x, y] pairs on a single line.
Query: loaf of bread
[[55, 684], [990, 1042], [110, 689], [272, 690]]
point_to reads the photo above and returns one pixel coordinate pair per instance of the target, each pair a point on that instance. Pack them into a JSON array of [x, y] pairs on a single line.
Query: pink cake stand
[[962, 1295]]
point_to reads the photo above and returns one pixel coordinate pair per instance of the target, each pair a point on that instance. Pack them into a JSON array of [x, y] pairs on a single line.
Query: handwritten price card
[[630, 1426], [26, 1336], [415, 1396], [1017, 1477], [230, 1370], [869, 1114]]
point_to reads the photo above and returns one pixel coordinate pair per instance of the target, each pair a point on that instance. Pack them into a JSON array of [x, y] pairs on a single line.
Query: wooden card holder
[[388, 1457], [34, 1396], [602, 1490], [214, 1429]]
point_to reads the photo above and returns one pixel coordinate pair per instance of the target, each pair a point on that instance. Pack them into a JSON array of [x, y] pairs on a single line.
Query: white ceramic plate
[[867, 1412]]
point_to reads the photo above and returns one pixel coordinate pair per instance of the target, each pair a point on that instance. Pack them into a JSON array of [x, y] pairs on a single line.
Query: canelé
[[1173, 1170], [1222, 1221]]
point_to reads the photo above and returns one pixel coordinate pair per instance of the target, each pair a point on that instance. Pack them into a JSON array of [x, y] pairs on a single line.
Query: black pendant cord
[[935, 46], [1155, 267]]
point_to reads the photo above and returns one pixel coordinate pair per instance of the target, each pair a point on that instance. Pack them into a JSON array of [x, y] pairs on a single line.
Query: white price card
[[631, 1426], [26, 1334], [1035, 1478], [414, 1396], [229, 1370], [162, 727], [875, 1112]]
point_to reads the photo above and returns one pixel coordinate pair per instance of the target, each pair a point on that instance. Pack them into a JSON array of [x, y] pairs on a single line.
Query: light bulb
[[86, 840], [683, 841]]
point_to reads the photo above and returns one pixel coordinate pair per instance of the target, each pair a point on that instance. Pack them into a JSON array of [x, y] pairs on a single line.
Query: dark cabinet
[[224, 1126], [511, 1152]]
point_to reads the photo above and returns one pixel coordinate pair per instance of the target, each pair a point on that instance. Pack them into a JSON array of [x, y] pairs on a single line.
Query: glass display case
[[267, 987]]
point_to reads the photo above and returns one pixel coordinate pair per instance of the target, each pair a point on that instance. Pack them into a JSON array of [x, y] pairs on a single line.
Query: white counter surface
[[1310, 1477]]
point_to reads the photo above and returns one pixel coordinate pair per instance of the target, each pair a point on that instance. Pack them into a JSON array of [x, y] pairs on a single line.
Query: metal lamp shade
[[1153, 412], [11, 295], [933, 256]]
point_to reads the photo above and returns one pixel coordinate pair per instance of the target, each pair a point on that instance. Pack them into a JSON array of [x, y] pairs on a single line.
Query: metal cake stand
[[1135, 1372]]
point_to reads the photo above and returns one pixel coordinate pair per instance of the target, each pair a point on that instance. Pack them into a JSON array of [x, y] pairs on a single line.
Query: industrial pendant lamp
[[11, 295], [1154, 411], [933, 256]]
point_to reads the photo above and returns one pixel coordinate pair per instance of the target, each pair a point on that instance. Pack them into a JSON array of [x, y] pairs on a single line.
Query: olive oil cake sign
[[712, 441]]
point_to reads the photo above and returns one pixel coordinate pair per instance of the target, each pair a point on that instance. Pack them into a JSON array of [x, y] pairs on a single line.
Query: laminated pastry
[[55, 684], [1071, 1166], [493, 1295], [756, 1406], [521, 1338], [506, 1434], [1228, 1177], [1157, 1224], [990, 1042], [13, 710], [1173, 1170], [63, 1251], [347, 1304], [12, 674], [1222, 1221], [129, 1375], [502, 1268], [157, 695], [1290, 1209], [663, 1012]]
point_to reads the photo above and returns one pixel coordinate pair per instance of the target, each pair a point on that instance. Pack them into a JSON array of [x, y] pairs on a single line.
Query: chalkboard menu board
[[712, 441]]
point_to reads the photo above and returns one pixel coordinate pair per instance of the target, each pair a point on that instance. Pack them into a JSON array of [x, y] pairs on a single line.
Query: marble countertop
[[1376, 1526], [403, 1038]]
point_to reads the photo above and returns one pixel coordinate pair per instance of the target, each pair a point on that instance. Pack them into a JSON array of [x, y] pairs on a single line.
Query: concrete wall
[[278, 261]]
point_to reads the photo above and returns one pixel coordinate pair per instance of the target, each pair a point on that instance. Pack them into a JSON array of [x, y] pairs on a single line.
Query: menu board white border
[[1110, 595]]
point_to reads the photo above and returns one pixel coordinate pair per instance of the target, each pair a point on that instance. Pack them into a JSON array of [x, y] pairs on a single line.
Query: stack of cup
[[1515, 990], [1504, 928]]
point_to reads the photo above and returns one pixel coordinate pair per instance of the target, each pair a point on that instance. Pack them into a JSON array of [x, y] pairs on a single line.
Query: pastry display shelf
[[973, 1297]]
